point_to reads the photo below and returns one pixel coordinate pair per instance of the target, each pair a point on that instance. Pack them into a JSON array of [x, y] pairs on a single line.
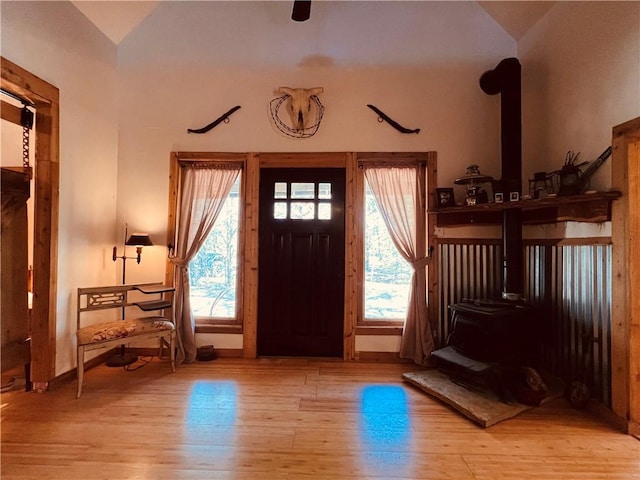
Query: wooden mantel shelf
[[594, 208]]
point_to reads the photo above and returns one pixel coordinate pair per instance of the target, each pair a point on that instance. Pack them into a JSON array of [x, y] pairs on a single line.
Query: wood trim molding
[[218, 328], [174, 188], [379, 330], [433, 277], [567, 241], [527, 241], [186, 157], [45, 97], [250, 265], [10, 113], [351, 303], [303, 160], [380, 357], [625, 322]]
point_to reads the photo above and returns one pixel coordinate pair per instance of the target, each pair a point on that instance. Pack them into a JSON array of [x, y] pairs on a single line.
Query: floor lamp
[[138, 240]]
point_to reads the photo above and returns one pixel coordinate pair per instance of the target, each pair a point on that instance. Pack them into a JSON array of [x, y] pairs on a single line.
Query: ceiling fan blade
[[301, 10]]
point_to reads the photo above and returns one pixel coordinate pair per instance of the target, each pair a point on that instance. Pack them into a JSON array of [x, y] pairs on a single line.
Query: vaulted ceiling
[[116, 19]]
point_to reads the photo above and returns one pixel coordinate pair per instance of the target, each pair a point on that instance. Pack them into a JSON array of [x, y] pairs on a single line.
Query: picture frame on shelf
[[514, 196], [498, 197], [445, 197]]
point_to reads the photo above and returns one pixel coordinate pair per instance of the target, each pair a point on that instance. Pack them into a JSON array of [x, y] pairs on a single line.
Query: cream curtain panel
[[204, 189], [398, 195]]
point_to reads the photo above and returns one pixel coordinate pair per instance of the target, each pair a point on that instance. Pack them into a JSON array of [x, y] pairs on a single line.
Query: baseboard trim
[[386, 357], [72, 374], [222, 352]]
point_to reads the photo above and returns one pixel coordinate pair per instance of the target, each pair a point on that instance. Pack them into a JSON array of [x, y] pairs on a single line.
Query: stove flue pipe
[[505, 80]]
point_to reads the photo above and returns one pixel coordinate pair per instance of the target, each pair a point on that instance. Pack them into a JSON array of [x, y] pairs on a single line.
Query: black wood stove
[[491, 336]]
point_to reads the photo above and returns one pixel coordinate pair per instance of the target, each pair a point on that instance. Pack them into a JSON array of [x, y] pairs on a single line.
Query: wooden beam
[[625, 231], [303, 160], [174, 187], [433, 277], [10, 112], [633, 159], [25, 84], [353, 209], [251, 241]]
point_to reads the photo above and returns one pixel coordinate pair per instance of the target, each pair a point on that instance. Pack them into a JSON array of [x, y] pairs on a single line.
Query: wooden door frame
[[257, 161], [45, 97], [625, 321]]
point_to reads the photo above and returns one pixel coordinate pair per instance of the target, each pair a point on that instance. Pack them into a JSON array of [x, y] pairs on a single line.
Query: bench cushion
[[104, 332]]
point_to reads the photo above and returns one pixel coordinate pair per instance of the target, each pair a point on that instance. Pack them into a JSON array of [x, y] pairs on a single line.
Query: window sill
[[218, 328], [379, 330]]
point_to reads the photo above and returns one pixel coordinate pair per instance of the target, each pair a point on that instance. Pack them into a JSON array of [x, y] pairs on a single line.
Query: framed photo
[[498, 197], [514, 196], [445, 198]]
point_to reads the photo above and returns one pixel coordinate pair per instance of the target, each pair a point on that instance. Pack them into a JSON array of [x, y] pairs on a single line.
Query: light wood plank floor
[[290, 419]]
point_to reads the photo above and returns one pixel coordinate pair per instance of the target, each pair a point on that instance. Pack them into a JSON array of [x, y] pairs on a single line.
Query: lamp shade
[[139, 240]]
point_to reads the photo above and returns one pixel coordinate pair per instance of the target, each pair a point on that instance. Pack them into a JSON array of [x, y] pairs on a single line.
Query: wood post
[[625, 328]]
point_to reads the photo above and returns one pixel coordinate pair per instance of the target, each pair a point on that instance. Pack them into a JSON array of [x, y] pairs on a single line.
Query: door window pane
[[302, 190], [280, 190], [303, 210], [279, 210], [324, 211], [324, 191]]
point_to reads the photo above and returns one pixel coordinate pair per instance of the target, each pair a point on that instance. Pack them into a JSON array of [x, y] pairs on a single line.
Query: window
[[213, 271], [302, 201], [387, 276]]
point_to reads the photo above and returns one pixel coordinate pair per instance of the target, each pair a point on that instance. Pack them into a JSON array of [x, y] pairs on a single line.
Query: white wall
[[581, 77], [189, 62], [54, 41]]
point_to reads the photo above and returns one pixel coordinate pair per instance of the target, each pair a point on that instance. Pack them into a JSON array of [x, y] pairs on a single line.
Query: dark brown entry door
[[301, 262]]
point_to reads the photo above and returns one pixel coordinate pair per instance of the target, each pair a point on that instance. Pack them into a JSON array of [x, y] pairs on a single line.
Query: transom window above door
[[302, 201]]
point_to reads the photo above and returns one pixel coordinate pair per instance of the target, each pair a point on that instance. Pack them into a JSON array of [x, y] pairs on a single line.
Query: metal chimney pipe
[[505, 79]]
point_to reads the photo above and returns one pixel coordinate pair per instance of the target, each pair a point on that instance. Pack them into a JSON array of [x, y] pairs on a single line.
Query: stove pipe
[[505, 79]]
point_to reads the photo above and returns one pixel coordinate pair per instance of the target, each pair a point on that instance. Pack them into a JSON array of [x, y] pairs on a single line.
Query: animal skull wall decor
[[299, 104], [303, 104]]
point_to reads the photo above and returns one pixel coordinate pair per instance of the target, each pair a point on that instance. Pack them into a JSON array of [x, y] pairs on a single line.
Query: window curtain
[[204, 189], [397, 192]]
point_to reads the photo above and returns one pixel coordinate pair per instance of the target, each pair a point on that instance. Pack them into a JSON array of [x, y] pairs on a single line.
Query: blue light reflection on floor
[[385, 428], [212, 403], [209, 434]]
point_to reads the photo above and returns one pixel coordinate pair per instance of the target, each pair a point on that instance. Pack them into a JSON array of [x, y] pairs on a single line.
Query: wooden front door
[[301, 262]]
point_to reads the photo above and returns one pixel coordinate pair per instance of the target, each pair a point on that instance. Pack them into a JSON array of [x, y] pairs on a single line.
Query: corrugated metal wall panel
[[570, 283], [467, 270]]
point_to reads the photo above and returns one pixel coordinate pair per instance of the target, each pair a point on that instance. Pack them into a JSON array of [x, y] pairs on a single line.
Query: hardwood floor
[[290, 419]]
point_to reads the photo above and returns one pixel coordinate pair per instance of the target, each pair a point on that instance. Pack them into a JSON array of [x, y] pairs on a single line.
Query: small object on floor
[[206, 353], [579, 394]]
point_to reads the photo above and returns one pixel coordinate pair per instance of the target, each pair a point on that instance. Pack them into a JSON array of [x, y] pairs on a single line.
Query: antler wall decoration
[[384, 117], [222, 118]]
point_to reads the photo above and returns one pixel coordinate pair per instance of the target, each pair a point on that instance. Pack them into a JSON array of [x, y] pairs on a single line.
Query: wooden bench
[[98, 335]]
